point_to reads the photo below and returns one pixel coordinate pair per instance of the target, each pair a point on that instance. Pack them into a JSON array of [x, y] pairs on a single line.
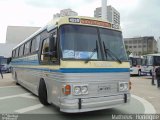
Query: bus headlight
[[77, 90], [123, 86], [84, 89], [80, 90]]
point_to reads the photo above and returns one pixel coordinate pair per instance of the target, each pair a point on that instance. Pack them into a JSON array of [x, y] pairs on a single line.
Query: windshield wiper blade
[[93, 52], [110, 53]]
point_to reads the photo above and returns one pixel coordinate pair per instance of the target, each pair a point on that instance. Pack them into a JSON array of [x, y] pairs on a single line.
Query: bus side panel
[[54, 86]]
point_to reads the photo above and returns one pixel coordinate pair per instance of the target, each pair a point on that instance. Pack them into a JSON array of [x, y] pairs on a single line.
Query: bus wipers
[[93, 52], [112, 55]]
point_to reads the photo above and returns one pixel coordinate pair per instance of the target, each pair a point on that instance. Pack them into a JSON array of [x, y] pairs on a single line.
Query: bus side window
[[45, 50]]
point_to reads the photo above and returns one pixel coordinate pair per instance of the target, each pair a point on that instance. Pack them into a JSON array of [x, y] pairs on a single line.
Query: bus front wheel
[[42, 92]]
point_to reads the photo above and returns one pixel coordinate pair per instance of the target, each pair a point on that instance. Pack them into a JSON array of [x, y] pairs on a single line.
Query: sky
[[138, 17]]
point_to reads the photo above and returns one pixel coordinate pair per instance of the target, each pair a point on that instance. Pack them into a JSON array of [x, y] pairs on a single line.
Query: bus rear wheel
[[42, 92]]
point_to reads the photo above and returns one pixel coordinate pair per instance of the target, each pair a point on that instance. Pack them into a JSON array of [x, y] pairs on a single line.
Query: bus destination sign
[[90, 22]]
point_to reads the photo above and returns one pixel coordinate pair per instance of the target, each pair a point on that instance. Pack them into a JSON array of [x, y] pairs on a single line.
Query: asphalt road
[[18, 101]]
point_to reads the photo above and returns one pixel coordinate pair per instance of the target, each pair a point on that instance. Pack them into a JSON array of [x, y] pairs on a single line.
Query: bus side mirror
[[52, 45]]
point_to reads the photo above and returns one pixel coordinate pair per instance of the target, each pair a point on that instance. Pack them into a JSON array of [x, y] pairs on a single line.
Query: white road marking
[[151, 97], [29, 96], [149, 108], [13, 96], [9, 87], [23, 110]]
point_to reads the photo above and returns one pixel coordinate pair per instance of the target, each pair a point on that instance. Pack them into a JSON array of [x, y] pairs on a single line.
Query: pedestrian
[[1, 71], [153, 75], [157, 71]]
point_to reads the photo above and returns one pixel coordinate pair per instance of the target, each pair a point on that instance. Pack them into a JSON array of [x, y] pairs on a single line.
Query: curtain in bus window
[[27, 48], [21, 49]]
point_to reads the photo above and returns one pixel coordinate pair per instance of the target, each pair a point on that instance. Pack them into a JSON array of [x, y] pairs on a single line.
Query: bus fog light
[[84, 89], [123, 86], [77, 90]]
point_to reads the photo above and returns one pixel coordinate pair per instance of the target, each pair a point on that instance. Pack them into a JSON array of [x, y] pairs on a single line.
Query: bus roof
[[78, 20]]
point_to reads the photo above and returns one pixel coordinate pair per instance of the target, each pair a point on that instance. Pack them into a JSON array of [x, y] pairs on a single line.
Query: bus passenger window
[[45, 50]]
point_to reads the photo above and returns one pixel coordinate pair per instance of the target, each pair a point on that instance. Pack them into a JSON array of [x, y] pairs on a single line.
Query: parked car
[[6, 68]]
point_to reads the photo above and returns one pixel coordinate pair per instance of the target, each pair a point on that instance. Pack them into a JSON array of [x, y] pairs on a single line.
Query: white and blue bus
[[135, 65], [150, 63], [76, 63]]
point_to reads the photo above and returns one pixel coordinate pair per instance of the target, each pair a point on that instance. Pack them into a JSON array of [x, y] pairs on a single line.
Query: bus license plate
[[105, 88]]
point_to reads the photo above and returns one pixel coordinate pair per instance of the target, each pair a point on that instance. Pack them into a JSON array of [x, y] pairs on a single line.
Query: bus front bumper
[[91, 104]]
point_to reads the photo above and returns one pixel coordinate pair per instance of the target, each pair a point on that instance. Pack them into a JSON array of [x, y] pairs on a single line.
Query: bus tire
[[42, 92]]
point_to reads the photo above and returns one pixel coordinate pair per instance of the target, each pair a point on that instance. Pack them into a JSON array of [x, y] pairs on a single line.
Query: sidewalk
[[141, 86], [7, 80]]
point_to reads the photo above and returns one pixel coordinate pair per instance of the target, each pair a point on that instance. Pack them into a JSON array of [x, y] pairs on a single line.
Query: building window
[[135, 42], [139, 41], [125, 42], [139, 46], [135, 46]]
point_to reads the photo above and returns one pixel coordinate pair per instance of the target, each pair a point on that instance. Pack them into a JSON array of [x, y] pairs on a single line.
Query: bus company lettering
[[95, 22]]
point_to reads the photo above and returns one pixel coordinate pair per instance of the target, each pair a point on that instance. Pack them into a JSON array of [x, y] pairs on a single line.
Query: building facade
[[15, 35], [65, 12], [141, 45], [113, 15]]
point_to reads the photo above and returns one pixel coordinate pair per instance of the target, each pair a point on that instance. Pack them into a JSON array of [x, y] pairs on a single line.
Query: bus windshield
[[135, 61], [157, 60], [82, 42], [114, 43]]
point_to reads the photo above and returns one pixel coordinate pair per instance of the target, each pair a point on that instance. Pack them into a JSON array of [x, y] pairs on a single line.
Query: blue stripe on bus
[[84, 70], [30, 62], [93, 70]]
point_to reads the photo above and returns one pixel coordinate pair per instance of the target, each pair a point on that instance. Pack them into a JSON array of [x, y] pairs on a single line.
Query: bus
[[78, 64], [135, 65], [150, 62]]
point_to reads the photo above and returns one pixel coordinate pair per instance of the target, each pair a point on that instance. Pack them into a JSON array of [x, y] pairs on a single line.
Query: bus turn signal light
[[66, 89]]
